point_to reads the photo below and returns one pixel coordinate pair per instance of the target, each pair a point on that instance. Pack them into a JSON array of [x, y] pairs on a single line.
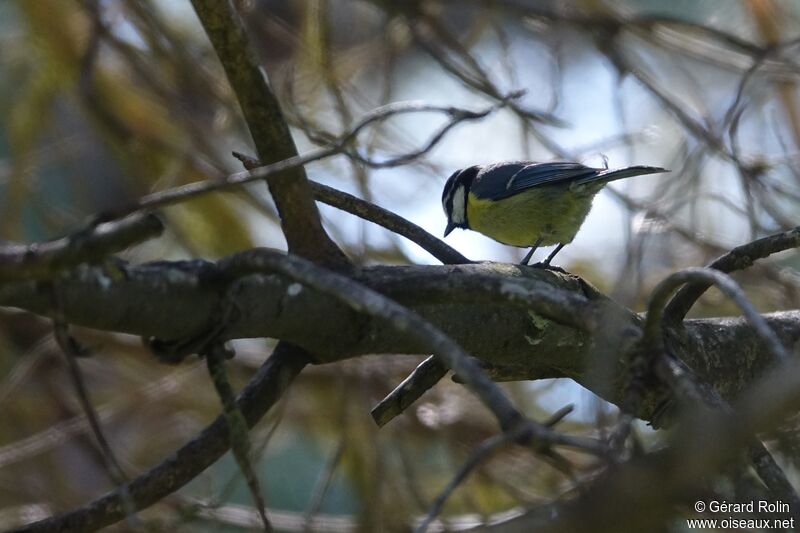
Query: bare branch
[[684, 386], [478, 456], [690, 391], [229, 181], [41, 261], [389, 220], [373, 213], [653, 334], [72, 350], [215, 355], [739, 258], [651, 356], [471, 74], [702, 445], [299, 215], [185, 464], [534, 335], [365, 300], [427, 374]]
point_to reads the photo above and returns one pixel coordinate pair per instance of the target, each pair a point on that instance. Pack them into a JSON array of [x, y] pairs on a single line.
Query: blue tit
[[524, 204]]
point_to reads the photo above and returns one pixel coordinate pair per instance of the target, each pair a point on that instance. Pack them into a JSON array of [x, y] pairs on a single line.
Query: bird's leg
[[553, 254], [530, 253], [528, 256]]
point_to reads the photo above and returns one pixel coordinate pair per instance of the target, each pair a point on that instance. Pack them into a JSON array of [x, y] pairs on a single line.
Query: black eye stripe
[[461, 178], [467, 175], [447, 193]]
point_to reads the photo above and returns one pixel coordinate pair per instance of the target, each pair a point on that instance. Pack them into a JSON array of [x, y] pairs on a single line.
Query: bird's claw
[[548, 266]]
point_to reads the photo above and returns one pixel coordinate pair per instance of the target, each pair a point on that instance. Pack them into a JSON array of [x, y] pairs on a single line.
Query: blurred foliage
[[105, 100]]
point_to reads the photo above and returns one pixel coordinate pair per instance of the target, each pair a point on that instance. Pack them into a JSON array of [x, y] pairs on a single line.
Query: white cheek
[[459, 206]]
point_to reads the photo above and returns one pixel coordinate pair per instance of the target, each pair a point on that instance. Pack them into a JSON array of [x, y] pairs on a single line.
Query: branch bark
[[516, 340], [300, 219], [42, 261]]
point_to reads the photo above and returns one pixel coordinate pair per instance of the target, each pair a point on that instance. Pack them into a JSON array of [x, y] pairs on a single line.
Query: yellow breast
[[555, 214]]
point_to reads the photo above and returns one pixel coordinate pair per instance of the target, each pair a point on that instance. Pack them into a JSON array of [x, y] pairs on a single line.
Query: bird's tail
[[620, 173]]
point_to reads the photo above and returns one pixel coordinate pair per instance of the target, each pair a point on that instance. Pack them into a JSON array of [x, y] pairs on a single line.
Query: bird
[[527, 204]]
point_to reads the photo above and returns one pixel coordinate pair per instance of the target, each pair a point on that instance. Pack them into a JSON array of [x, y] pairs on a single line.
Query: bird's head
[[454, 198]]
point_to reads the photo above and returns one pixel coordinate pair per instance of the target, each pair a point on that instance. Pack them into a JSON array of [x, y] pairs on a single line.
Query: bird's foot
[[548, 266]]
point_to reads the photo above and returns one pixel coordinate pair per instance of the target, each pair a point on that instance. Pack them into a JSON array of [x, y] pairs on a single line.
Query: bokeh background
[[103, 101]]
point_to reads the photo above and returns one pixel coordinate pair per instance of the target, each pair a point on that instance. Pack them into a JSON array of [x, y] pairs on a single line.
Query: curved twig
[[655, 311], [229, 181], [365, 300], [376, 214], [479, 455], [72, 351], [456, 115], [653, 358], [739, 258], [389, 220]]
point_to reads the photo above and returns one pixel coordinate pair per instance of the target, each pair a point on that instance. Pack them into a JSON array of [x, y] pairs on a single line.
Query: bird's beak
[[450, 227]]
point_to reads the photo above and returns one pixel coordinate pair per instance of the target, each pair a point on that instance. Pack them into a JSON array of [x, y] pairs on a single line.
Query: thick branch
[[41, 261], [360, 298], [470, 303]]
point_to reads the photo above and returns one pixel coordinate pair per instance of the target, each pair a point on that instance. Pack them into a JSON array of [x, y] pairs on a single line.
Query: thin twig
[[228, 181], [323, 484], [478, 456], [739, 258], [72, 350], [389, 220], [373, 213], [266, 387], [427, 374], [215, 355], [23, 368], [226, 492], [519, 435], [559, 415], [57, 434], [473, 76]]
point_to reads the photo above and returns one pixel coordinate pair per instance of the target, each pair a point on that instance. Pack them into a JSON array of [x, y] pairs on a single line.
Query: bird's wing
[[504, 180], [501, 181]]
